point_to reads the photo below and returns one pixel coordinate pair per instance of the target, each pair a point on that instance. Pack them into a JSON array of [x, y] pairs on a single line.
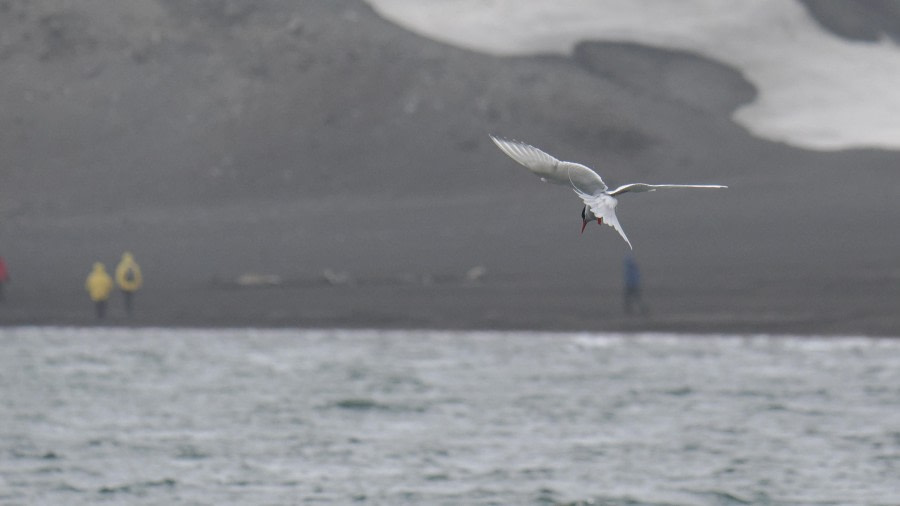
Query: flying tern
[[599, 201]]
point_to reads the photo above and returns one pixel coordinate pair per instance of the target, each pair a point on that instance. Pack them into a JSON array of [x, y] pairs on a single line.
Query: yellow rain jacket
[[128, 274], [99, 284]]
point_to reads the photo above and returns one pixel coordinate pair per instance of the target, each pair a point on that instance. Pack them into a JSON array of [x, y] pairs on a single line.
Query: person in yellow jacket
[[99, 285], [129, 279]]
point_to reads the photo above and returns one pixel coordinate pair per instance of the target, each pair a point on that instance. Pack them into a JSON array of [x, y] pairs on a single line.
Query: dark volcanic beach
[[311, 164]]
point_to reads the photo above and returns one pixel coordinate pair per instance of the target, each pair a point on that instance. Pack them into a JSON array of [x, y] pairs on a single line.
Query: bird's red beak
[[583, 224]]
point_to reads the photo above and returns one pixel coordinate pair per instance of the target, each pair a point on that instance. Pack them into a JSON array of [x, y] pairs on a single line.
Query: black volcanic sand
[[215, 139]]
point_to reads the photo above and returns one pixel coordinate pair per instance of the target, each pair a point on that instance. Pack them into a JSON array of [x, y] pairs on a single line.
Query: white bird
[[599, 201]]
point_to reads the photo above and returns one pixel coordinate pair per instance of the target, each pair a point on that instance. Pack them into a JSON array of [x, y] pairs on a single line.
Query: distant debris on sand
[[336, 278], [476, 274], [332, 277], [253, 279]]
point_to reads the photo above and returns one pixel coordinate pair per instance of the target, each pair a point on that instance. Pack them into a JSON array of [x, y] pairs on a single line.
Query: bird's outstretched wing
[[550, 169], [604, 206], [643, 187]]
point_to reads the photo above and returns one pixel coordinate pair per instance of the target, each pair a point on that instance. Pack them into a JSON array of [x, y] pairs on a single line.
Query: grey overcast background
[[310, 163]]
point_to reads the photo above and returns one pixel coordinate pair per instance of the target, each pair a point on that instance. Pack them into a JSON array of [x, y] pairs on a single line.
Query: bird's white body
[[600, 202]]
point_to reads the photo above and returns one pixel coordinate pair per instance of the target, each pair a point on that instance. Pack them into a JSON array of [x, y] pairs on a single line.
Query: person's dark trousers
[[129, 298], [633, 299]]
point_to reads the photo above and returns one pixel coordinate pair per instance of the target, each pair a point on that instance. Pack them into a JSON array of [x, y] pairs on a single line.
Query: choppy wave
[[237, 416]]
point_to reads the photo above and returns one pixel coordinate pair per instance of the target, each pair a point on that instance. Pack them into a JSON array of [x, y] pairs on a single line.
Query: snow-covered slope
[[816, 90]]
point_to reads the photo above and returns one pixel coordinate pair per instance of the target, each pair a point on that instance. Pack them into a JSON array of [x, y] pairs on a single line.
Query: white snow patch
[[816, 90]]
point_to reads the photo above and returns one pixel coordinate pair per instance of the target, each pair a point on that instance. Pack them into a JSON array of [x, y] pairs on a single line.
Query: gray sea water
[[163, 416]]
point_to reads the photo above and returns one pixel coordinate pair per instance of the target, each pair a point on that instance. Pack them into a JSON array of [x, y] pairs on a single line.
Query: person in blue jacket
[[632, 293]]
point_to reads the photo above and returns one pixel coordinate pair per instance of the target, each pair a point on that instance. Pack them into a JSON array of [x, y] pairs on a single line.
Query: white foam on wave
[[587, 339], [816, 90]]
